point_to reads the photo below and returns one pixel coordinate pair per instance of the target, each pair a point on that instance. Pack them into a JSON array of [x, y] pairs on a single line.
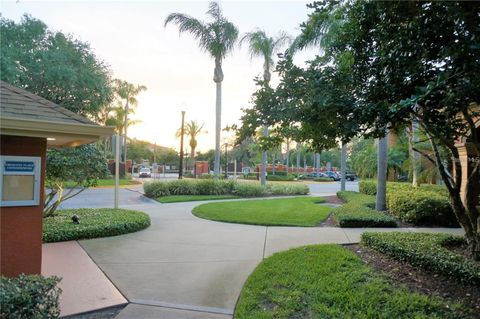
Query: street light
[[180, 171]]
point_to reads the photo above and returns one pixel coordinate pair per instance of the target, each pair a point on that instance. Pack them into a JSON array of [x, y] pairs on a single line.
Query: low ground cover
[[93, 223], [328, 281], [157, 190], [427, 251], [425, 205], [358, 212], [192, 198], [300, 211]]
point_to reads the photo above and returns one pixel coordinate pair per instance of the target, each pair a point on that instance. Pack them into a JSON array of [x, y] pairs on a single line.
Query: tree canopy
[[54, 66]]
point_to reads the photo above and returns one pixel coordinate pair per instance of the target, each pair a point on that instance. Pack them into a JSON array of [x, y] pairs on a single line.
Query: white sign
[[20, 180]]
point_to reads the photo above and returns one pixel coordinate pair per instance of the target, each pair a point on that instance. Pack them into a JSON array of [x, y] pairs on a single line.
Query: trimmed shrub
[[421, 207], [367, 187], [427, 251], [205, 176], [31, 296], [249, 190], [156, 189], [284, 178], [288, 189], [357, 212], [94, 223], [322, 179]]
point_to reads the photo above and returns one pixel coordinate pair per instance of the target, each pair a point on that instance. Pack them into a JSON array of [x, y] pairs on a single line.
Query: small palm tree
[[218, 38], [192, 130], [261, 45]]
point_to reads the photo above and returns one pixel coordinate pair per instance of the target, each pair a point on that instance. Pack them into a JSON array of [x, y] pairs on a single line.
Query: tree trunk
[[288, 154], [273, 163], [125, 129], [218, 127], [263, 170], [305, 164], [381, 200], [298, 159], [343, 167], [317, 162]]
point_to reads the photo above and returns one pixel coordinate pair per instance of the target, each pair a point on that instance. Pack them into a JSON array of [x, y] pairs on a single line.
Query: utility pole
[[180, 168], [226, 161]]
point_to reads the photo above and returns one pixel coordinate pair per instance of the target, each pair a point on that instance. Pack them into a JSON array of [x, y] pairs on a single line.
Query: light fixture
[[51, 138]]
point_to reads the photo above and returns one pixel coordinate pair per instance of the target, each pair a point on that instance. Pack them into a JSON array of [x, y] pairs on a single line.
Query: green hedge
[[322, 179], [427, 205], [427, 251], [31, 296], [357, 212], [220, 187], [94, 223], [283, 178]]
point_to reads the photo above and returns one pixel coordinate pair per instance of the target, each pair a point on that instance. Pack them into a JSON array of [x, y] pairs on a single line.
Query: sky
[[131, 38]]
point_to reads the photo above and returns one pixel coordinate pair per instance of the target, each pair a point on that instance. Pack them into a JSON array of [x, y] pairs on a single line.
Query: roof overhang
[[57, 134]]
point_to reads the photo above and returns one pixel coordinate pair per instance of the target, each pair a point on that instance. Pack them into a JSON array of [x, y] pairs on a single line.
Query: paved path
[[186, 267]]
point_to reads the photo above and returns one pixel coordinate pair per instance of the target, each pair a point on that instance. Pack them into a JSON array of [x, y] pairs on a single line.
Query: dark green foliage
[[94, 223], [424, 205], [358, 212], [322, 179], [427, 251], [328, 281], [54, 66], [192, 198], [30, 296], [220, 187], [283, 178]]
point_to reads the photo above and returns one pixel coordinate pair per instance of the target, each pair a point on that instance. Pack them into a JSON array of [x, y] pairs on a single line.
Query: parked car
[[145, 172], [332, 175], [350, 176], [316, 175]]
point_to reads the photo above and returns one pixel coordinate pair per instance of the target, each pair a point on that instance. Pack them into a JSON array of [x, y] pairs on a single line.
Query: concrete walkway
[[186, 267]]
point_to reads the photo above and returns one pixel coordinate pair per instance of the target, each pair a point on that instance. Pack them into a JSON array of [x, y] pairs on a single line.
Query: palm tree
[[261, 45], [127, 92], [218, 38], [192, 130]]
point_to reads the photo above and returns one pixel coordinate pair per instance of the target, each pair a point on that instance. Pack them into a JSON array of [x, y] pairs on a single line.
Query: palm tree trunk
[[125, 136], [218, 127], [263, 171], [288, 154], [298, 159], [343, 166], [381, 200]]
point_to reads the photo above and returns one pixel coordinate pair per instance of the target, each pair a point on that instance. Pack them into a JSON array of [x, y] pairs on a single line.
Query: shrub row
[[357, 212], [220, 187], [427, 251], [94, 223], [31, 296], [283, 178], [425, 205]]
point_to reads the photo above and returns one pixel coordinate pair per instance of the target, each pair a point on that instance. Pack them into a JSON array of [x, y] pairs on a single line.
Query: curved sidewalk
[[186, 267]]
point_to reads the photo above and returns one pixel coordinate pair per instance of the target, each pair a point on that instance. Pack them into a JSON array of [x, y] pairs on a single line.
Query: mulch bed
[[333, 200], [420, 280]]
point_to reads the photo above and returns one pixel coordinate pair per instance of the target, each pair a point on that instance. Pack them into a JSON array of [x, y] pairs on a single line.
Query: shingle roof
[[19, 103]]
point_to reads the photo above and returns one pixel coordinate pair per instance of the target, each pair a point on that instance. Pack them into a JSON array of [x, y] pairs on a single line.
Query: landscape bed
[[299, 211], [329, 281], [358, 212], [94, 223], [192, 198]]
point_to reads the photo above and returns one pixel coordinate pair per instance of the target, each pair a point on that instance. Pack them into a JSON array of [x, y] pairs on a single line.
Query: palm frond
[[188, 24]]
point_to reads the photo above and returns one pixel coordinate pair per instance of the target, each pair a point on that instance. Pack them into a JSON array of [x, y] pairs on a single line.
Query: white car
[[145, 172]]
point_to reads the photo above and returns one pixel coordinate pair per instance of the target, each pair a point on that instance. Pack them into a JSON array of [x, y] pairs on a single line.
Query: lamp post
[[180, 168], [226, 161]]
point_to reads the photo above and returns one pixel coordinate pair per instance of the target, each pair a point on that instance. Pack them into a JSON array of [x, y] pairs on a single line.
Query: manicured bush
[[205, 176], [283, 177], [426, 205], [94, 223], [427, 251], [357, 212], [220, 187], [288, 189], [31, 296], [249, 190], [322, 179], [421, 207]]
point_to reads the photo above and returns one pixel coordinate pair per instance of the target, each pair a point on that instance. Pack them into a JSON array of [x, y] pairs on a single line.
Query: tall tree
[[127, 93], [263, 46], [218, 38], [53, 65]]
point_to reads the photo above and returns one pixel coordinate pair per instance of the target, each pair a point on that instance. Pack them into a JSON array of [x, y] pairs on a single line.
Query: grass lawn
[[192, 198], [94, 223], [299, 211], [328, 281], [108, 182]]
